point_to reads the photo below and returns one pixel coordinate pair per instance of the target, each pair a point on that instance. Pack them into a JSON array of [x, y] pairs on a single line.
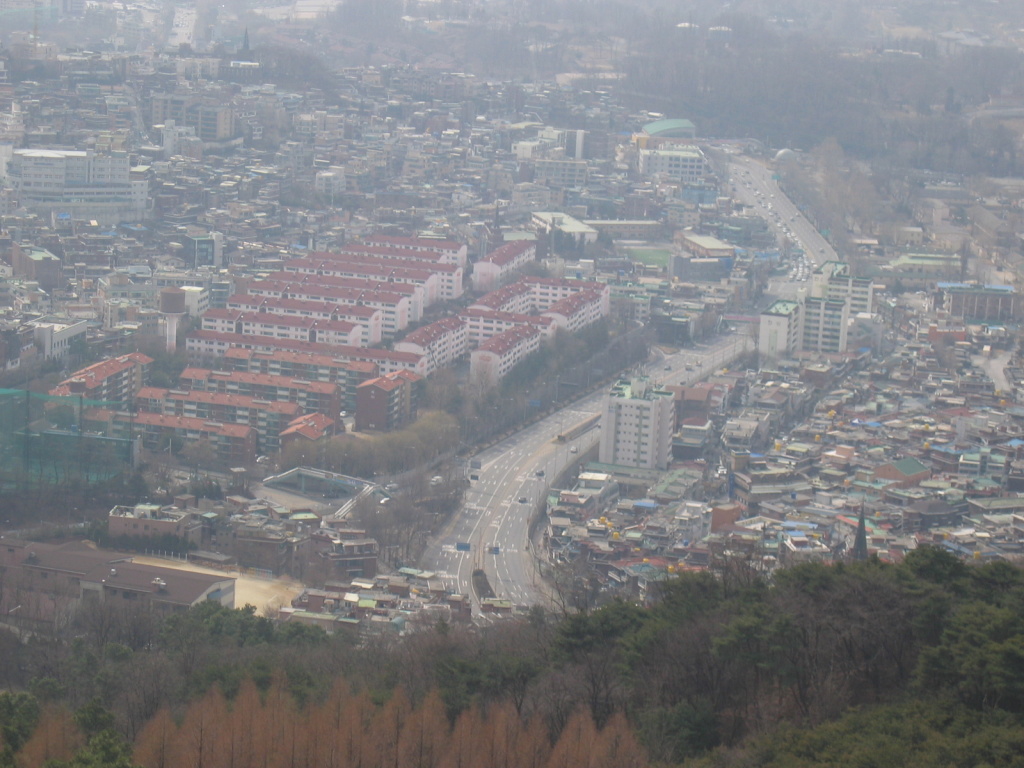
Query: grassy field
[[654, 257]]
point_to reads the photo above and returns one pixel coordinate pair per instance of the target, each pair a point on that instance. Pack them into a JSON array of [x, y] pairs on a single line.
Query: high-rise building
[[809, 325], [637, 425], [824, 324], [834, 280], [779, 332]]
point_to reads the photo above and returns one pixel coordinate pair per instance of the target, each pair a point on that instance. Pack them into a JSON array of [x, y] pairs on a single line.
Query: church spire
[[860, 543]]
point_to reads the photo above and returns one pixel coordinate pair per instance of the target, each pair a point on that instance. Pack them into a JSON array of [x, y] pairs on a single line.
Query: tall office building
[[637, 425]]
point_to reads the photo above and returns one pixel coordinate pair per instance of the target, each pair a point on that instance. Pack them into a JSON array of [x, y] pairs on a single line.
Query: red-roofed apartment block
[[491, 361], [387, 403], [502, 264], [117, 379]]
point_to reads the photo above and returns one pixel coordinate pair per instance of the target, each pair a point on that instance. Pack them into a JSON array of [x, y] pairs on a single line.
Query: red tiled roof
[[294, 345], [428, 333], [97, 373], [509, 252], [503, 342]]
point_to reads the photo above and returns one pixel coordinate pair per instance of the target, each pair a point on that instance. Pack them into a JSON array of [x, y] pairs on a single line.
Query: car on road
[[540, 473], [523, 500]]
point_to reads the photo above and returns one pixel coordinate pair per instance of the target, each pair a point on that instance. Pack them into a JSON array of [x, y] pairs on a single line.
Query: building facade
[[637, 425]]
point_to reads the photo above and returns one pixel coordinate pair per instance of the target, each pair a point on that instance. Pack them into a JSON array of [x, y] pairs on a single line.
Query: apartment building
[[637, 425], [116, 380], [779, 333], [483, 324], [77, 184], [233, 445], [387, 403], [313, 367], [451, 252], [268, 418], [312, 396], [370, 319], [833, 280], [561, 173], [809, 325], [55, 336], [824, 324], [204, 345], [427, 280], [399, 304], [502, 264], [685, 165], [538, 294], [442, 343], [493, 359], [578, 311], [299, 328]]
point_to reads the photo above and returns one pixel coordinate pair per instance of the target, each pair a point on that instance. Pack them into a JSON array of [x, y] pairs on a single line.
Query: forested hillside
[[920, 663]]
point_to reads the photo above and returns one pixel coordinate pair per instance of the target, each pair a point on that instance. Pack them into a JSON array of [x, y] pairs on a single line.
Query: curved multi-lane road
[[513, 479]]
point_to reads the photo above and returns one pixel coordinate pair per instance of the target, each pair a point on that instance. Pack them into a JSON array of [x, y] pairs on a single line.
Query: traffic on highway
[[492, 531]]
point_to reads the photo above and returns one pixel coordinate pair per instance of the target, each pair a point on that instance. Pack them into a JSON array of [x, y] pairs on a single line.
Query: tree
[[155, 745], [104, 750], [19, 714], [56, 737]]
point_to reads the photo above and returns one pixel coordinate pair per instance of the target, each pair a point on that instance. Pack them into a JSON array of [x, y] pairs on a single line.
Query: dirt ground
[[266, 594]]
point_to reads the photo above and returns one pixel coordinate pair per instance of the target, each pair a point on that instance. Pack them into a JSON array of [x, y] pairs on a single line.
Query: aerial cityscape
[[511, 384]]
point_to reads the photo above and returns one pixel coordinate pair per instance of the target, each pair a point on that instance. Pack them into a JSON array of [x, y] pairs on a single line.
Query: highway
[[513, 481], [753, 184]]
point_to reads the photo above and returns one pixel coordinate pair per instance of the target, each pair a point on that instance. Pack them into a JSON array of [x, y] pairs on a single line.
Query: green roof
[[670, 128], [781, 307], [909, 466]]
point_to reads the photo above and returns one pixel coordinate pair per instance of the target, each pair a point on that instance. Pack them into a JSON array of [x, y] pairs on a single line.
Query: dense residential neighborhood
[[314, 283]]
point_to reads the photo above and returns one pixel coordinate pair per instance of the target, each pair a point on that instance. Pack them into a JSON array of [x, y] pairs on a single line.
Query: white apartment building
[[482, 324], [685, 165], [197, 300], [442, 343], [264, 324], [779, 332], [77, 184], [637, 425], [330, 184], [561, 173], [502, 264], [371, 319], [491, 361], [824, 324], [833, 280], [810, 325], [398, 308], [54, 336]]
